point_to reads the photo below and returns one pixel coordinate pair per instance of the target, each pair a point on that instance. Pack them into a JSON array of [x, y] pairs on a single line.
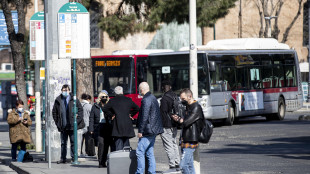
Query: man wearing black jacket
[[170, 128], [63, 117], [191, 126], [123, 108]]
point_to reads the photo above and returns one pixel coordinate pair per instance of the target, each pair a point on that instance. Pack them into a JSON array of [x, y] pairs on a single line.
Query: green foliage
[[146, 15]]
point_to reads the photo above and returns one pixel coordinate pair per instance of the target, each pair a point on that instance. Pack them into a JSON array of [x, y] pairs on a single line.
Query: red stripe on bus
[[265, 91]]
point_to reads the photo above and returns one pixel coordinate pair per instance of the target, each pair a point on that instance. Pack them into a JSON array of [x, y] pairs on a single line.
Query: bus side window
[[290, 76], [229, 77], [255, 78], [141, 70]]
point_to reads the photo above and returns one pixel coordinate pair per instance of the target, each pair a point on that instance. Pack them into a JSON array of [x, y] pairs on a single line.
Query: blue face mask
[[65, 94]]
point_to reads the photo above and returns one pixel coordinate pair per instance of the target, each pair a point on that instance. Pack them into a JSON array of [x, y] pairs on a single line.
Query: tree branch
[[288, 29]]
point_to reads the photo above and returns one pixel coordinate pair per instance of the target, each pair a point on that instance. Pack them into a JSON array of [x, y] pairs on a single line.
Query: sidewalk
[[87, 165]]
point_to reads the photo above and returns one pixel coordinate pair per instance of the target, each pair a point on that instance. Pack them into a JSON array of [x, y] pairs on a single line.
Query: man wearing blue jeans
[[191, 126], [149, 126]]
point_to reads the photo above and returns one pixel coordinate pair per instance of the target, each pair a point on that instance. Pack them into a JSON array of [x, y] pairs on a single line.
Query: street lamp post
[[269, 23]]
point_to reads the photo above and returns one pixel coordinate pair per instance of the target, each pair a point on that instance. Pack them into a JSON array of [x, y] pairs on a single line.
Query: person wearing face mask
[[123, 108], [64, 120], [86, 100], [19, 122], [191, 124], [101, 128]]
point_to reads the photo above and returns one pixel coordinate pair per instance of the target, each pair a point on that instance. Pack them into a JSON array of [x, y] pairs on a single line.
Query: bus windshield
[[175, 68], [111, 72]]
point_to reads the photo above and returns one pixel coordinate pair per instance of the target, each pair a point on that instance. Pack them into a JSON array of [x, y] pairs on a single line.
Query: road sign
[[4, 37], [42, 73], [73, 32], [36, 38]]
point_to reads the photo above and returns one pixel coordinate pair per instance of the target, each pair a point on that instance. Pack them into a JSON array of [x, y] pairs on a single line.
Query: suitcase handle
[[128, 148]]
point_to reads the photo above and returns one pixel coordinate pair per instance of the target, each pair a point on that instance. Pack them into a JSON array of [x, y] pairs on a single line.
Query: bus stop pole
[[75, 115], [193, 67]]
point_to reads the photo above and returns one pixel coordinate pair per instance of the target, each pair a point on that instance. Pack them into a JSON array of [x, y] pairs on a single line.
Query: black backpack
[[27, 157], [178, 108]]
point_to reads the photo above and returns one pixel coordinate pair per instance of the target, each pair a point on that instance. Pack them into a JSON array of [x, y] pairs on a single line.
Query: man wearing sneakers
[[170, 127]]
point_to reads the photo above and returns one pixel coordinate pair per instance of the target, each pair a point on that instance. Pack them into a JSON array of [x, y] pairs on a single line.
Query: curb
[[17, 169], [304, 118]]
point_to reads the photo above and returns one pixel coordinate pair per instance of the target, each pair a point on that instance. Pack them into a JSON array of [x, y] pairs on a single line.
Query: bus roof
[[242, 44], [245, 44], [140, 52]]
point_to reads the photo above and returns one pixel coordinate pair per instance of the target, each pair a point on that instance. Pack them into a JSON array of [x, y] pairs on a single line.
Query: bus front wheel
[[231, 115]]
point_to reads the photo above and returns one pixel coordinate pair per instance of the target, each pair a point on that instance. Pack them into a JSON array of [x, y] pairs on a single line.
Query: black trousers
[[121, 142], [64, 140], [105, 141], [85, 138]]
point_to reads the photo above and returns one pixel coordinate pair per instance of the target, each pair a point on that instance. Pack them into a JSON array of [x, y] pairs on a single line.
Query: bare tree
[[17, 41], [267, 8], [288, 29]]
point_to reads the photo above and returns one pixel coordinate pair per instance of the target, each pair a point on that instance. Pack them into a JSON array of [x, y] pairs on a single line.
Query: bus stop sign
[[73, 32]]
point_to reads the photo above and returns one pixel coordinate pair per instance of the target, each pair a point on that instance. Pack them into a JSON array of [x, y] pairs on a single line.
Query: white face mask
[[21, 110]]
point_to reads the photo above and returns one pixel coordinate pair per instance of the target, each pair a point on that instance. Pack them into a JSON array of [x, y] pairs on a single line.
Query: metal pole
[[48, 120], [240, 19], [193, 66], [75, 115], [214, 34], [308, 3], [38, 98], [269, 28], [43, 113]]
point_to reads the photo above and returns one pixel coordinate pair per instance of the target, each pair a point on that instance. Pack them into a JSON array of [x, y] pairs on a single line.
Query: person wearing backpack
[[192, 125], [86, 100], [170, 126]]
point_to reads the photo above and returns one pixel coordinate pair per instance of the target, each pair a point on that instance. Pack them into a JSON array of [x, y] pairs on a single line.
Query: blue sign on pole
[[4, 38]]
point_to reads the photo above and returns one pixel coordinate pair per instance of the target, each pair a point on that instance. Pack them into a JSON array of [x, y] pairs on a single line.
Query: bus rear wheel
[[281, 111], [229, 121]]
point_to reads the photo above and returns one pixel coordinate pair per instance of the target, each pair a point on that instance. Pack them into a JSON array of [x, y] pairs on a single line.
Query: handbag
[[90, 151], [206, 131], [20, 155]]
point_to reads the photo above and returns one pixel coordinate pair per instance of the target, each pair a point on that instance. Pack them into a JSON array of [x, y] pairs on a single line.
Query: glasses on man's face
[[104, 97]]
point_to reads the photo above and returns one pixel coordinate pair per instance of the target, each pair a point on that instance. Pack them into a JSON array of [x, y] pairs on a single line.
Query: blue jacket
[[150, 113]]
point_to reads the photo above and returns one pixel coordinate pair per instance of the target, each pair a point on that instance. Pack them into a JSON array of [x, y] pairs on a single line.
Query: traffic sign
[[36, 38], [73, 32]]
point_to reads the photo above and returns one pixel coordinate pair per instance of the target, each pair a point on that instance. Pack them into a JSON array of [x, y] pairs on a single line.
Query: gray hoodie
[[86, 112]]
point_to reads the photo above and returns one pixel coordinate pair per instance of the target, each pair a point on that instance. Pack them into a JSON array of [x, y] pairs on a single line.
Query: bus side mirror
[[212, 66]]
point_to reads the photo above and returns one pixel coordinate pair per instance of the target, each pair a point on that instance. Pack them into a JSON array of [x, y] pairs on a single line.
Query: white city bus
[[236, 78]]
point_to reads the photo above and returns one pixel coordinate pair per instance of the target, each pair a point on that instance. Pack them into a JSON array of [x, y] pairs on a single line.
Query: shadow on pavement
[[291, 147]]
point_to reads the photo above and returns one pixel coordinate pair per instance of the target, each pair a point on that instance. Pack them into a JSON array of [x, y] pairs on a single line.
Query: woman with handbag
[[100, 127], [19, 122]]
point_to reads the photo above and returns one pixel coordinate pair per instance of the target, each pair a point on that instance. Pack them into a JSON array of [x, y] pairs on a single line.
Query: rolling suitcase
[[122, 161]]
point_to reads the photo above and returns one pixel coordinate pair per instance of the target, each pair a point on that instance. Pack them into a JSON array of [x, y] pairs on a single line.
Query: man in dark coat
[[123, 108], [149, 126], [64, 119], [191, 126]]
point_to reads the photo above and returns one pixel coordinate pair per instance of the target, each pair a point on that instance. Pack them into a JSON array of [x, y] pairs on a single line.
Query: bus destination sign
[[108, 63]]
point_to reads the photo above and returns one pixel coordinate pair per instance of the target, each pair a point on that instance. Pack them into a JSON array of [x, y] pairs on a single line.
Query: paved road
[[259, 146], [254, 146]]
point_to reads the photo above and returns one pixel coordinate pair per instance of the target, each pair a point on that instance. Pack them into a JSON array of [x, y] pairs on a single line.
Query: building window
[[95, 32]]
